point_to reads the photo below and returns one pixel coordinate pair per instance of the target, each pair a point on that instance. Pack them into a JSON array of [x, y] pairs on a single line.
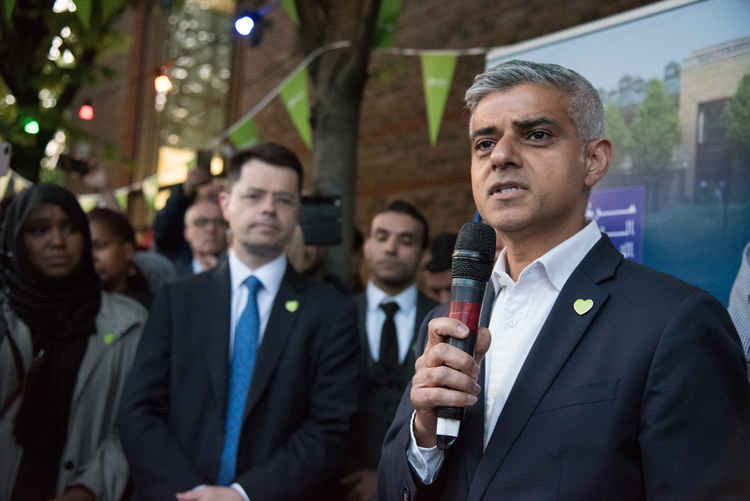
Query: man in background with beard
[[391, 310]]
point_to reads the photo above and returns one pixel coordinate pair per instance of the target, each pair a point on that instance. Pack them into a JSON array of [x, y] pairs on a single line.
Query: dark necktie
[[388, 357], [241, 372]]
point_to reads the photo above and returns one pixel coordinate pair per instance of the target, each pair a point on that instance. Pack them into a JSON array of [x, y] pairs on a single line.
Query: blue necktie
[[243, 361]]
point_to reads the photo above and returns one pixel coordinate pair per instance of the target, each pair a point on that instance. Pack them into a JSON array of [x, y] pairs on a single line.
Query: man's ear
[[596, 159], [367, 248], [224, 204]]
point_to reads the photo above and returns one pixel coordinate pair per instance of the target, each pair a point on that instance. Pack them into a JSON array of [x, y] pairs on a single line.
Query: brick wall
[[396, 159]]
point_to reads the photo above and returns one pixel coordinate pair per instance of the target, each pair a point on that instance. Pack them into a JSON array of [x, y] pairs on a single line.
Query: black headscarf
[[61, 315]]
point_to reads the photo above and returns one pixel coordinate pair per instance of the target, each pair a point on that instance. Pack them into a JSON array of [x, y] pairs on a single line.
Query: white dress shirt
[[270, 276], [518, 314], [404, 318], [196, 266]]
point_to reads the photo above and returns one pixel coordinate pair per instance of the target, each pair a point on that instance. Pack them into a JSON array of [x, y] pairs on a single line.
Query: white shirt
[[270, 276], [404, 318], [196, 266], [518, 314]]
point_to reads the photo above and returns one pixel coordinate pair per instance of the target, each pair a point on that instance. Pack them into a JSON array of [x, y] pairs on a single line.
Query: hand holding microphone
[[445, 381]]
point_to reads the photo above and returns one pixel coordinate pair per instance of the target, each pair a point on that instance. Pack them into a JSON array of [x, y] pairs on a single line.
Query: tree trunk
[[338, 81]]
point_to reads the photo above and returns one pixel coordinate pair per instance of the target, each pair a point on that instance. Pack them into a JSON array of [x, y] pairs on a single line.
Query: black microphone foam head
[[474, 253]]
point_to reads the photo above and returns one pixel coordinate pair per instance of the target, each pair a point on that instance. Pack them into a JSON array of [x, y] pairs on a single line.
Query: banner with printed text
[[83, 9], [437, 75], [294, 93]]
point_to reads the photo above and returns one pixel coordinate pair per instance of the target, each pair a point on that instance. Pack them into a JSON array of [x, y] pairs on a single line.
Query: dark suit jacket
[[299, 406], [642, 397], [377, 410]]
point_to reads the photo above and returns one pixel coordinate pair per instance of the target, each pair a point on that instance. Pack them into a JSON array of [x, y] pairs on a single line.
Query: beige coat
[[92, 455]]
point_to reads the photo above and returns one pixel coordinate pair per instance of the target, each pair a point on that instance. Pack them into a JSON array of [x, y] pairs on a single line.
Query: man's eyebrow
[[530, 123], [484, 131], [407, 234]]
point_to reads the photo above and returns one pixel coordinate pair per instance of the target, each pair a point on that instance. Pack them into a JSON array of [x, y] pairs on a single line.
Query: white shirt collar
[[406, 299], [269, 274], [558, 263]]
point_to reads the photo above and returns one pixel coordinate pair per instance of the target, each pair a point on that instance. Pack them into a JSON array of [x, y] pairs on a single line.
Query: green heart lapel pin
[[582, 306], [291, 306], [108, 338]]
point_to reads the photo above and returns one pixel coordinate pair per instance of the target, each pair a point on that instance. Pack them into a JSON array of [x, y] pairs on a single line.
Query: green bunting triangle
[[245, 136], [290, 6], [88, 202], [385, 29], [294, 95], [437, 74], [83, 9], [8, 7], [121, 195], [150, 187]]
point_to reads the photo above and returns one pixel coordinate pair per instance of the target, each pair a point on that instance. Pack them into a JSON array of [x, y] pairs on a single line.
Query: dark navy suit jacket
[[642, 397], [299, 407]]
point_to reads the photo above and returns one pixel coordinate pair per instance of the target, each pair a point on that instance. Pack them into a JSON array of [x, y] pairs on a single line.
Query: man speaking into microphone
[[597, 378]]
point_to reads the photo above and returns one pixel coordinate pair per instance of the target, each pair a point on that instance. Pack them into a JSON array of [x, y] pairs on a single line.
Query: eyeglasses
[[202, 222]]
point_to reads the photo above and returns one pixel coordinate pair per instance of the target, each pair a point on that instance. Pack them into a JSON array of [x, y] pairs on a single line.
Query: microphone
[[471, 267]]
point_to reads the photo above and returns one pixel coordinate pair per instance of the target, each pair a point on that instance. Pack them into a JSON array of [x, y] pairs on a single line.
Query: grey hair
[[585, 104]]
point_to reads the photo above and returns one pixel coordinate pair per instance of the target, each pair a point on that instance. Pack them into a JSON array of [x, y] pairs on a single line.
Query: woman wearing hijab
[[65, 350]]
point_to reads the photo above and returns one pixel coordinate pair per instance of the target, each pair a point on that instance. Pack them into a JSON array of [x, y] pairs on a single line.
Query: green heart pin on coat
[[291, 306], [582, 306]]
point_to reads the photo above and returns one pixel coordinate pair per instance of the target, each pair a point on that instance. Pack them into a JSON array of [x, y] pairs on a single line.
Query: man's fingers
[[445, 377], [188, 496], [440, 328], [484, 339], [429, 398], [445, 354]]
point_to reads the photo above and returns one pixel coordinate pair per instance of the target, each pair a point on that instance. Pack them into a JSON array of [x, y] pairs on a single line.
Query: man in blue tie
[[244, 385]]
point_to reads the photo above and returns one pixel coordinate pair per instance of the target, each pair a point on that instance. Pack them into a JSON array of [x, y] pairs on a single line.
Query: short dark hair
[[270, 153], [404, 207], [117, 222]]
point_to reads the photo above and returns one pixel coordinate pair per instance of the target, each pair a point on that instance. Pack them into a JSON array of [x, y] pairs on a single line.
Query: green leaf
[[83, 8], [9, 5], [108, 8], [385, 29]]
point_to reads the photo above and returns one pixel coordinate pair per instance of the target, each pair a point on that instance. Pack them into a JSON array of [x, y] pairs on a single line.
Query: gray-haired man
[[604, 379]]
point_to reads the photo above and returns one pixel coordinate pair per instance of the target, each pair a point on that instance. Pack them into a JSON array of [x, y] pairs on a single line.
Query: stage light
[[245, 24], [86, 111]]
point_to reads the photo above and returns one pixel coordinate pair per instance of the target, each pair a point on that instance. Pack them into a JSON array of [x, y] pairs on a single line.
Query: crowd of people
[[226, 363]]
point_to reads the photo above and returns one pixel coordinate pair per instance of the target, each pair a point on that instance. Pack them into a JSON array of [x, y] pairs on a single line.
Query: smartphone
[[4, 158], [320, 219]]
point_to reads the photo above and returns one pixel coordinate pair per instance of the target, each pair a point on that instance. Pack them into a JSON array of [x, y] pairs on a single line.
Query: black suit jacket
[[424, 305], [377, 410], [299, 406], [642, 397]]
